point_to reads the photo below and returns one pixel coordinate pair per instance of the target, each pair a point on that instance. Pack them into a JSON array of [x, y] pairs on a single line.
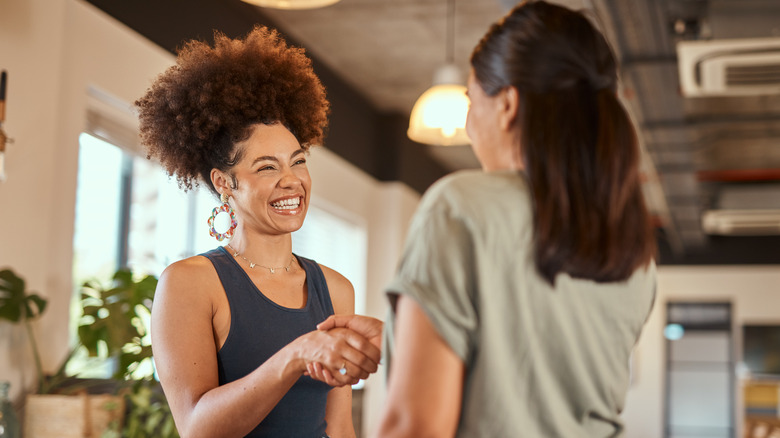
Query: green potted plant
[[111, 327], [17, 305]]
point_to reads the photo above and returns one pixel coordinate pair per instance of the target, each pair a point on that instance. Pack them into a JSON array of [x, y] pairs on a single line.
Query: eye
[[263, 168], [300, 161]]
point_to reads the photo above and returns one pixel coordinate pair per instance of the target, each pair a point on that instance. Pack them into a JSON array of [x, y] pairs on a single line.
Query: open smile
[[287, 204]]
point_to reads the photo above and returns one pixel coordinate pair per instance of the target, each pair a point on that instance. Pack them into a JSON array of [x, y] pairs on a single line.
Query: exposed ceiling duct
[[703, 80], [753, 222], [731, 73], [746, 210]]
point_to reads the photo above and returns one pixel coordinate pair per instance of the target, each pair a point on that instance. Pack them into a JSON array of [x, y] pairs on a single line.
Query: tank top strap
[[228, 270]]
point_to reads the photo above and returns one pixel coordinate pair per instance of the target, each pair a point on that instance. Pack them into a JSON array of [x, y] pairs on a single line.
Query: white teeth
[[287, 204]]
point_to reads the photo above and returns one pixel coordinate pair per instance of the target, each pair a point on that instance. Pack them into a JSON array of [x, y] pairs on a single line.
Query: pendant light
[[292, 4], [439, 115]]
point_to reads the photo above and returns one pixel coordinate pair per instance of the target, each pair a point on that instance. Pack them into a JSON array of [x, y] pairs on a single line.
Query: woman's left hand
[[317, 371]]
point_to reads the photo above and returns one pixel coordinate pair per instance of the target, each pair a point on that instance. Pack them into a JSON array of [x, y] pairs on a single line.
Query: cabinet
[[761, 409]]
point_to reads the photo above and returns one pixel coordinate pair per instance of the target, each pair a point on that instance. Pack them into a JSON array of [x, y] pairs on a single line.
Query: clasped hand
[[353, 353]]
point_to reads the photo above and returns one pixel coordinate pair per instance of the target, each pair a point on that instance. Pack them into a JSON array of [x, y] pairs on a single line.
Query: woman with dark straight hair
[[577, 142], [523, 287]]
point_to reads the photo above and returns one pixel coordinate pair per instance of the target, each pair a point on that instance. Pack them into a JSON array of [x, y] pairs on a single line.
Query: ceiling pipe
[[738, 175]]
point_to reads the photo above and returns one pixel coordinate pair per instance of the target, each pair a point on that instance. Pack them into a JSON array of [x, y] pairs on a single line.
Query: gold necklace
[[253, 264]]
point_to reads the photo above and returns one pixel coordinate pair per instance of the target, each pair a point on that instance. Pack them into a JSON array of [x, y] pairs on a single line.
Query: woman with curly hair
[[233, 329]]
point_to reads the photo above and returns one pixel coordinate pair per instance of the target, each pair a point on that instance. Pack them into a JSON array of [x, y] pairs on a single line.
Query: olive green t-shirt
[[541, 361]]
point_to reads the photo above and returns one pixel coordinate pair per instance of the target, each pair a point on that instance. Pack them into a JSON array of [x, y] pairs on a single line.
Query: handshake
[[349, 349]]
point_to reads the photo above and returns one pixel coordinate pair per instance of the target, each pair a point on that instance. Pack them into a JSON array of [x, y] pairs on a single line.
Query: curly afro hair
[[197, 110]]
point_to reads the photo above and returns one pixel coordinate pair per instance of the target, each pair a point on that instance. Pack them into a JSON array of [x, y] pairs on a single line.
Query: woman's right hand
[[367, 328], [338, 349]]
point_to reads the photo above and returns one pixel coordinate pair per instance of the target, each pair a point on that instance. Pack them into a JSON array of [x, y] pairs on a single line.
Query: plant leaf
[[37, 302], [15, 302], [10, 281]]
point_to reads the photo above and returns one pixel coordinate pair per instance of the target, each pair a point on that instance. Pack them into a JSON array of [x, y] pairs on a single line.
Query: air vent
[[753, 75], [738, 67], [741, 222]]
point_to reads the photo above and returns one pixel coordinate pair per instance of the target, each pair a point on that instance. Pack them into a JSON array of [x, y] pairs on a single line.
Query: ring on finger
[[343, 369]]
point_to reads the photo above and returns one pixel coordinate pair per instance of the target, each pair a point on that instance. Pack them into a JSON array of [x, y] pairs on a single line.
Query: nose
[[289, 179]]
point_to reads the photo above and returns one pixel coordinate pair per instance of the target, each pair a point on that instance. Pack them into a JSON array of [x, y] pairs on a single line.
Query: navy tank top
[[258, 329]]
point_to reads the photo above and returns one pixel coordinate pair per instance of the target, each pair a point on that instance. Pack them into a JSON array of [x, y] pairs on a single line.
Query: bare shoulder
[[189, 266], [342, 293], [192, 278], [334, 278]]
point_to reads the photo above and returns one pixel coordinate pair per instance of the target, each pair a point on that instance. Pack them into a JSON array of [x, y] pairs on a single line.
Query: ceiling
[[377, 56]]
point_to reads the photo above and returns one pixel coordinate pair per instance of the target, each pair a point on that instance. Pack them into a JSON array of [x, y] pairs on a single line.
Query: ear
[[221, 181], [509, 101]]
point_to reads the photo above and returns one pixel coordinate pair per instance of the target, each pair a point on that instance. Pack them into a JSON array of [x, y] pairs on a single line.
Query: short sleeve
[[437, 270]]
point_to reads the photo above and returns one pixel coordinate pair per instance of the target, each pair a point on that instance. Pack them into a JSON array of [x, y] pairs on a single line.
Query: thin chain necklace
[[253, 264]]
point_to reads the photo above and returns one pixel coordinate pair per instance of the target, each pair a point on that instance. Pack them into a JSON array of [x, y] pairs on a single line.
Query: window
[[130, 213], [95, 244]]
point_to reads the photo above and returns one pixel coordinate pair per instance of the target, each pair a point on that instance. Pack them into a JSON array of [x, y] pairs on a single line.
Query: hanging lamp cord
[[450, 32]]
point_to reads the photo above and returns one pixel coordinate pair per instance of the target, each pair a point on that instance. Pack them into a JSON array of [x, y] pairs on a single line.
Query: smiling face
[[273, 184]]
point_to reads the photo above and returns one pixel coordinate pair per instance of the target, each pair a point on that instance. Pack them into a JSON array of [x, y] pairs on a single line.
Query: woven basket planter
[[72, 416]]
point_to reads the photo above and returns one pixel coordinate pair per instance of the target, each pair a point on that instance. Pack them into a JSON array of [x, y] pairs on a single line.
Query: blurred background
[[701, 79]]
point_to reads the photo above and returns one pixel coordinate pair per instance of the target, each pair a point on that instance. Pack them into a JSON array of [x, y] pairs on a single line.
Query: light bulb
[[439, 116], [292, 4]]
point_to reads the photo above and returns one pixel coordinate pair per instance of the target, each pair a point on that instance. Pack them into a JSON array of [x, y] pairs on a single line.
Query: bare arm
[[425, 386], [185, 356]]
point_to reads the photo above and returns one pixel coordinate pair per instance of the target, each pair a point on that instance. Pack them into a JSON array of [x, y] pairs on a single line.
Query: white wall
[[31, 47], [54, 52], [754, 293]]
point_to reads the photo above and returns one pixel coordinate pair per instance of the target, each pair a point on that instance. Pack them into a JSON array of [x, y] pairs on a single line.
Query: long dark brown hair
[[578, 144]]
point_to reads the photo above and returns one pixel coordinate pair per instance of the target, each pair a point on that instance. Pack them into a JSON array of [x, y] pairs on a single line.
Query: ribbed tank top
[[258, 329]]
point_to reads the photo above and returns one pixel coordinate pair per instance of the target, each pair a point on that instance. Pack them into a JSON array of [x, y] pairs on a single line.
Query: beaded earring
[[224, 197]]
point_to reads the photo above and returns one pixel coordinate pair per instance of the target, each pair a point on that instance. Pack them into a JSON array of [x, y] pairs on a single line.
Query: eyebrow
[[272, 158]]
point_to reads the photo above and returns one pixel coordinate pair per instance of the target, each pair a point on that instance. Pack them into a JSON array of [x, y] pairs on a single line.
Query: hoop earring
[[224, 197]]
